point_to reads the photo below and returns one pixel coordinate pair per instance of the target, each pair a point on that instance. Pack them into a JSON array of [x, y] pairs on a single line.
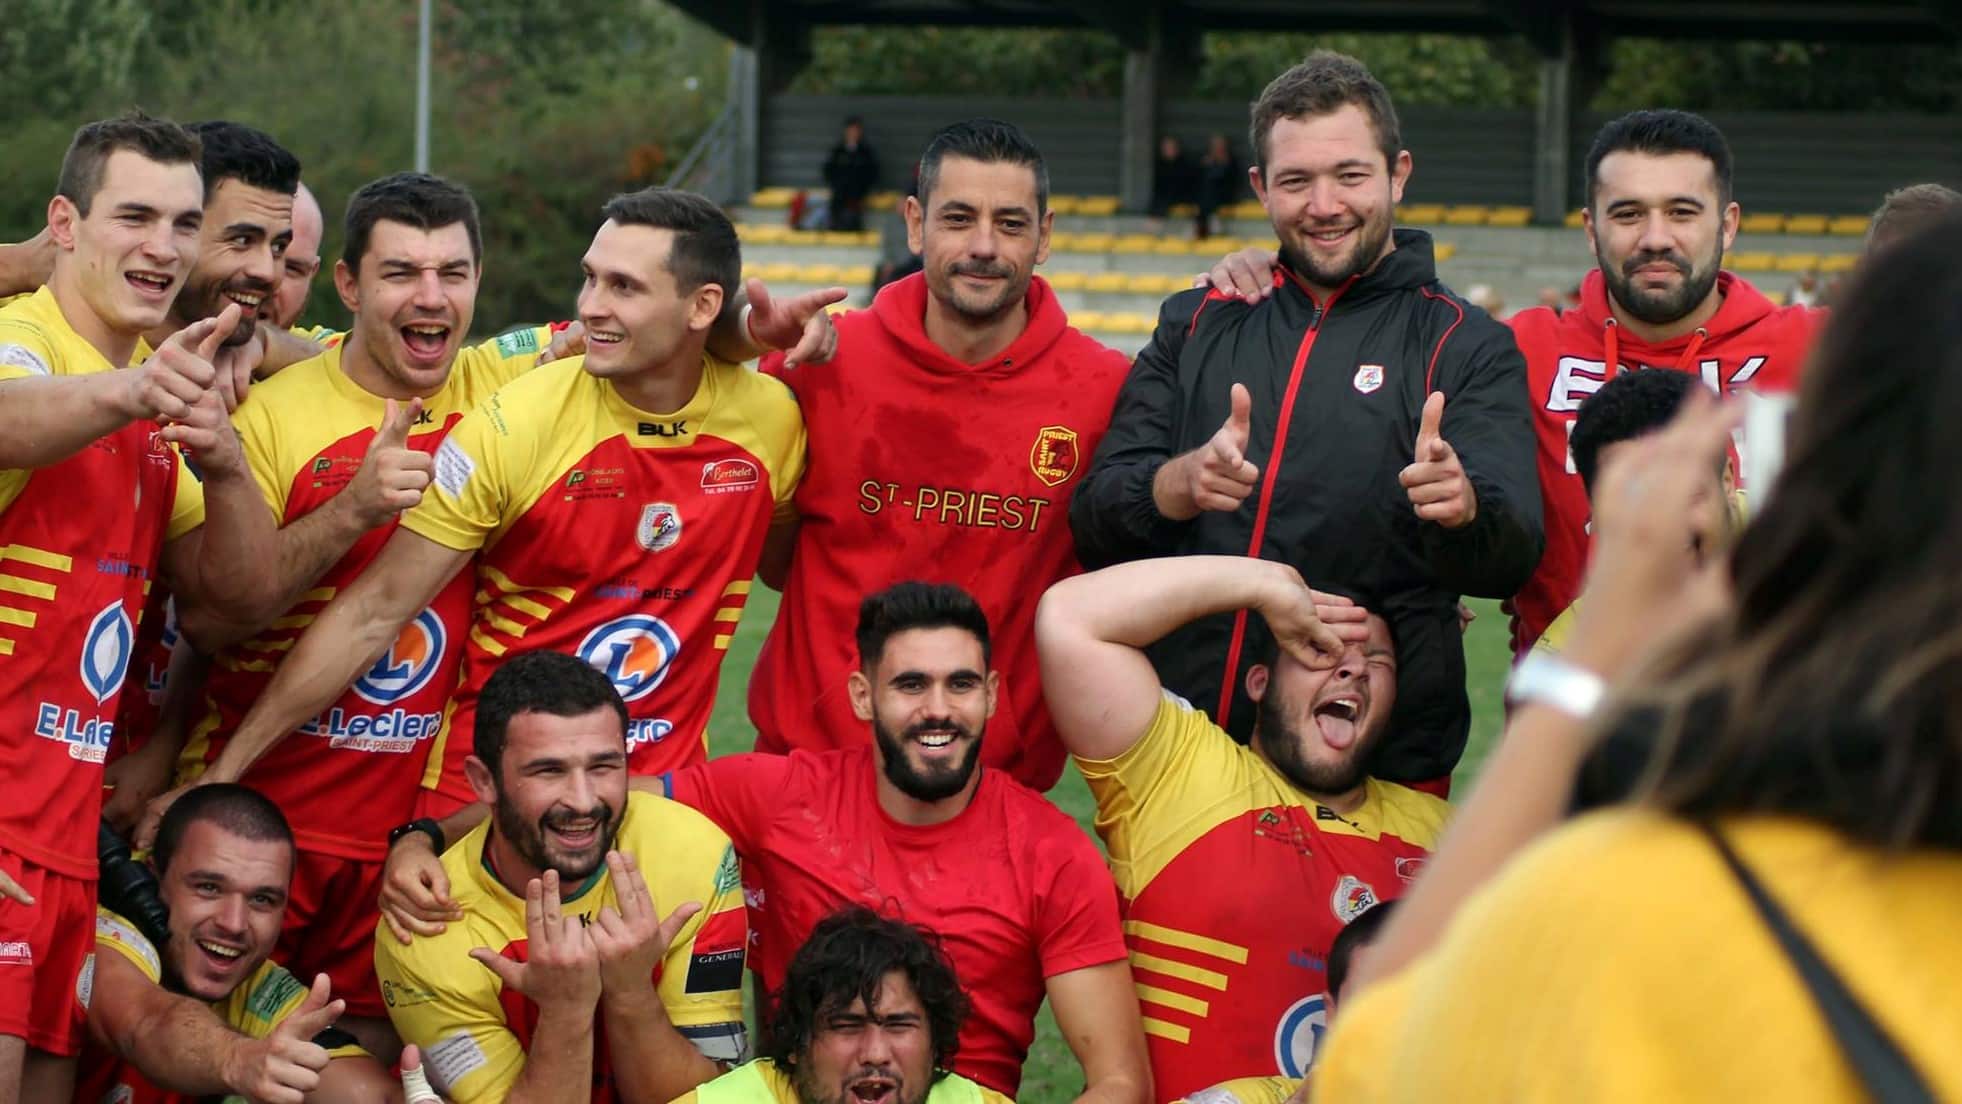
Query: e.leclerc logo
[[408, 665], [106, 651], [636, 652]]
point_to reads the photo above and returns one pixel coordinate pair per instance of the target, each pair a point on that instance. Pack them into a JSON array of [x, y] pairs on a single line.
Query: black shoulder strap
[[1886, 1072]]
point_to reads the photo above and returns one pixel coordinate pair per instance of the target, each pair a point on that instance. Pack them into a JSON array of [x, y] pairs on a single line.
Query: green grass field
[[1051, 1076]]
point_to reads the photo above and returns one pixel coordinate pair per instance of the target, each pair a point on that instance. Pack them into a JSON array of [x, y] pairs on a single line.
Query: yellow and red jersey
[[1235, 884], [474, 1033], [79, 542], [624, 537], [305, 434]]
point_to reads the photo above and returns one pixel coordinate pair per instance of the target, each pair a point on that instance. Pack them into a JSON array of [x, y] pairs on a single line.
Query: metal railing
[[709, 167]]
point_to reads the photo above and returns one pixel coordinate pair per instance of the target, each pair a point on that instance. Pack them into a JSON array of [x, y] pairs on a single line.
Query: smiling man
[[1360, 423], [249, 181], [1238, 865]]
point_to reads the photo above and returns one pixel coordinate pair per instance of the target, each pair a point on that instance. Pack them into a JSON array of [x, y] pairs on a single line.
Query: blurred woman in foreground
[[1800, 707]]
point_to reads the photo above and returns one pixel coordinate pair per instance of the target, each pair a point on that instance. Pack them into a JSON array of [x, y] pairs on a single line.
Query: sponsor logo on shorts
[[729, 475], [1055, 454], [16, 952], [85, 981], [659, 528]]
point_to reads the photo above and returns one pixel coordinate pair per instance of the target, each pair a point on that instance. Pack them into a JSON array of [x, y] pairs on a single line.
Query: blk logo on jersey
[[409, 663], [1298, 1034], [659, 528], [106, 650], [635, 652]]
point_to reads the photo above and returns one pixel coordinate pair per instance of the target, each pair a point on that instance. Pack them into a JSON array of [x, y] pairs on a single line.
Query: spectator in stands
[[908, 820], [1628, 409], [871, 1012], [905, 482], [1910, 210], [1485, 298], [1218, 183], [200, 1009], [1174, 180], [1794, 854], [1358, 424], [1552, 298], [1806, 292], [851, 172], [1343, 956], [1236, 863]]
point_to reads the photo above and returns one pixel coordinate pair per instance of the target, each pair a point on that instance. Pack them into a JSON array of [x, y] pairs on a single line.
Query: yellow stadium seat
[[1467, 214], [1065, 204], [1061, 241], [1135, 243], [1751, 261], [855, 274], [1132, 323], [1852, 226], [772, 197], [1087, 321], [777, 272], [1095, 243], [1245, 209], [1509, 216], [1572, 221], [1805, 224], [882, 201], [1798, 262], [1145, 283], [1420, 213], [803, 237], [1106, 281], [1839, 262], [1183, 210], [838, 237], [1444, 251], [1100, 205], [1067, 281], [818, 274], [1173, 247], [1777, 297], [1761, 224]]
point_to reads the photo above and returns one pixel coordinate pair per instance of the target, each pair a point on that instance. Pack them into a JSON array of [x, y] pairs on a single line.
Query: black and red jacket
[[1338, 390]]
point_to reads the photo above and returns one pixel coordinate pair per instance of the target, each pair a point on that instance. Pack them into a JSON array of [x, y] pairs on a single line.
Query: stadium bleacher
[[1112, 270]]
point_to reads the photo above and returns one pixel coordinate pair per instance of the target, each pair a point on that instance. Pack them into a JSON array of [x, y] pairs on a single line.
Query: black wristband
[[424, 825]]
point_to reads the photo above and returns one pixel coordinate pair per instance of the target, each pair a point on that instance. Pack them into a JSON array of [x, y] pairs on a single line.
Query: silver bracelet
[[1546, 679]]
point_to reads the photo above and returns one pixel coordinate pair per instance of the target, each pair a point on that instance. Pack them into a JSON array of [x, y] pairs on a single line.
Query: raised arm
[[1091, 631]]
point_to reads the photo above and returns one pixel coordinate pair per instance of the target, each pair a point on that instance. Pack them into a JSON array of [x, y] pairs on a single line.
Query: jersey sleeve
[[187, 500], [788, 471], [1173, 762], [466, 502], [258, 435], [737, 792], [447, 1004], [522, 347], [701, 978], [116, 935], [272, 995], [1077, 921]]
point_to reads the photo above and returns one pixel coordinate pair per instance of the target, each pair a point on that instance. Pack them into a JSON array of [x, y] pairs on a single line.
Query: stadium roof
[[1539, 20]]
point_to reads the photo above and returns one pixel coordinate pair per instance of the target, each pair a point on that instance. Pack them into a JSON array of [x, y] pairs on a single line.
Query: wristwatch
[[1545, 679], [425, 825]]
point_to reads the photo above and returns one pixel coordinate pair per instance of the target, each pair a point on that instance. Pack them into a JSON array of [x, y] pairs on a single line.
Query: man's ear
[[481, 780], [63, 216], [860, 689], [915, 224], [1257, 678], [704, 307], [348, 286]]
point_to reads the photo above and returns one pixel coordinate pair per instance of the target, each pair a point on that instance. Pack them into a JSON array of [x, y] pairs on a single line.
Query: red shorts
[[47, 962], [331, 913]]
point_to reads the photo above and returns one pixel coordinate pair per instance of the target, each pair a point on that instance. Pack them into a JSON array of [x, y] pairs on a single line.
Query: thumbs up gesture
[[1435, 480], [392, 475], [1214, 476], [285, 1066]]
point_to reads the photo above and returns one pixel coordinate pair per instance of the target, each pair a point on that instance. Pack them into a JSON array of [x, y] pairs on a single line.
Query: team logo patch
[[1054, 455], [1298, 1034], [518, 342], [635, 652], [731, 474], [729, 873], [660, 526], [1352, 898], [106, 652], [20, 356], [409, 663], [1369, 377]]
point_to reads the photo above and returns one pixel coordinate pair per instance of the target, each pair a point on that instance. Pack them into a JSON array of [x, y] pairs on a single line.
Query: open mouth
[[873, 1090], [220, 955], [1336, 718], [1329, 237], [603, 339], [247, 301], [934, 739], [425, 340], [150, 285], [577, 835]]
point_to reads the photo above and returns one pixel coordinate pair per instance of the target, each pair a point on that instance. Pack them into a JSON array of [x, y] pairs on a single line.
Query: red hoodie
[[923, 467], [1748, 344]]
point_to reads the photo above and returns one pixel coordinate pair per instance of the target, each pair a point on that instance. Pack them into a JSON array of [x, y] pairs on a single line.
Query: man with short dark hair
[[249, 181], [581, 988], [1238, 865], [851, 172], [948, 434], [871, 1011], [1905, 211], [202, 1008], [1359, 422]]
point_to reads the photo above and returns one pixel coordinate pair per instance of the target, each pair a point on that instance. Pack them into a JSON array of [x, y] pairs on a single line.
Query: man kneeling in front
[[870, 1013]]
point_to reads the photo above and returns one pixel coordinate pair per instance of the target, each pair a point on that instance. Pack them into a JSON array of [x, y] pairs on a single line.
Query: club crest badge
[[1055, 455], [660, 526], [1369, 377]]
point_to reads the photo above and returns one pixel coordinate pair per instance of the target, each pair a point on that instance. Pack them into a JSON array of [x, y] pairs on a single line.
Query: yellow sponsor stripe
[[293, 621], [1151, 994], [1173, 937], [503, 624], [740, 586], [729, 613], [487, 642], [6, 646], [12, 616], [53, 561], [1165, 1030], [14, 584], [505, 583], [253, 665], [320, 594], [536, 610], [1193, 974], [285, 644], [722, 641], [146, 590]]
